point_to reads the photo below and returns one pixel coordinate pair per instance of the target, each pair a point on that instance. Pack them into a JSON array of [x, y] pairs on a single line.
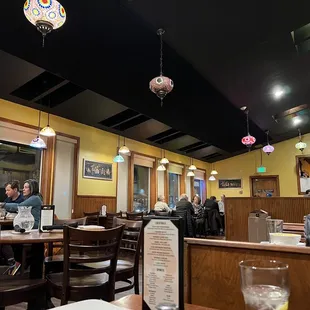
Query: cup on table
[[274, 226], [264, 284]]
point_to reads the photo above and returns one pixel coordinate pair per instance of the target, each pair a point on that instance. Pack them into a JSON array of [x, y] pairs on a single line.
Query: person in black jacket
[[211, 204], [185, 210], [212, 216]]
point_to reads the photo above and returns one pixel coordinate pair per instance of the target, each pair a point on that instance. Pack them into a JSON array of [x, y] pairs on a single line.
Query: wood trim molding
[[48, 170], [297, 173], [252, 177], [10, 121], [182, 181], [130, 183]]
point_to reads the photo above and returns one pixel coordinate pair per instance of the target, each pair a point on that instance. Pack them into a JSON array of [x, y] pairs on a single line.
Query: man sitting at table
[[13, 193]]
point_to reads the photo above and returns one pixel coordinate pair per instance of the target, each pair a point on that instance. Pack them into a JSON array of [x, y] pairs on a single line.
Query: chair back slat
[[92, 218], [110, 217], [134, 216], [79, 221]]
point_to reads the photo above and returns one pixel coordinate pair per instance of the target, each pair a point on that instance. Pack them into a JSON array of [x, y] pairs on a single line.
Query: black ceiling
[[221, 56]]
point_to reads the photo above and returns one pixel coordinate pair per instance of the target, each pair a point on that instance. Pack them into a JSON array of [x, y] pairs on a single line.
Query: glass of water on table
[[265, 284]]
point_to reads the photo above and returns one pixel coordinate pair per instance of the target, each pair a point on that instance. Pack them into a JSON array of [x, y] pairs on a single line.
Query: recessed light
[[279, 92], [243, 108], [297, 120]]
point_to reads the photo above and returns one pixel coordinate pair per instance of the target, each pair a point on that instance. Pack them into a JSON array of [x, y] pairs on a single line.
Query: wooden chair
[[14, 290], [77, 283], [54, 263], [134, 216], [110, 217], [129, 254], [295, 228], [92, 218]]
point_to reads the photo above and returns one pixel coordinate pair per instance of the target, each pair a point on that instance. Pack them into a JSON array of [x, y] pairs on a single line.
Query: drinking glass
[[265, 284], [274, 226]]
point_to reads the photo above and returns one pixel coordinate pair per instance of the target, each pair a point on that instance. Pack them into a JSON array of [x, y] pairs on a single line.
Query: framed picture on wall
[[230, 183], [97, 170]]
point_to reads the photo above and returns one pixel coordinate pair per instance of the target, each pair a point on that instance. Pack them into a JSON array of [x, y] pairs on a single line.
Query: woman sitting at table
[[32, 198]]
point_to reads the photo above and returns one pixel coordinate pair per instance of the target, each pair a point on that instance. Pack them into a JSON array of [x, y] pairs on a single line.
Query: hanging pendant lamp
[[212, 178], [118, 158], [161, 168], [38, 142], [190, 173], [124, 149], [268, 149], [48, 131], [46, 15], [248, 140], [192, 166], [161, 85], [213, 172], [164, 160], [300, 145]]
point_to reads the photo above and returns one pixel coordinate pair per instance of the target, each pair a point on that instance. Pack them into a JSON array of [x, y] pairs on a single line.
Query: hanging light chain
[[39, 123], [247, 121], [267, 133], [299, 134], [160, 32]]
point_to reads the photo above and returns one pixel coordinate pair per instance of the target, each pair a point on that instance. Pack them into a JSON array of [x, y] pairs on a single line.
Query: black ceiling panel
[[170, 138], [119, 118], [60, 95], [132, 122], [211, 156], [37, 86], [194, 147], [162, 135]]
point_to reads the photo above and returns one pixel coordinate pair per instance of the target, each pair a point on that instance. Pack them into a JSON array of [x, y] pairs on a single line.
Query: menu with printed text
[[161, 264]]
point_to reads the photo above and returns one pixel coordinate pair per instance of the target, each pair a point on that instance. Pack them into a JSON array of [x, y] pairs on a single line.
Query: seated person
[[13, 193], [161, 205], [185, 210], [6, 251], [197, 205]]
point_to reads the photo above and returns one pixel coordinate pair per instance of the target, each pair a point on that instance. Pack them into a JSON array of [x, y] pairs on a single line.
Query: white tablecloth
[[90, 304]]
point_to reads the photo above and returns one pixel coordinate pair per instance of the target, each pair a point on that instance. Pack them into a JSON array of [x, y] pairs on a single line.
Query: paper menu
[[47, 216]]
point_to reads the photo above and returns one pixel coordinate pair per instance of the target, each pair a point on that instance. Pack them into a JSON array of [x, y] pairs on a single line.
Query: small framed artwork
[[230, 183], [97, 170]]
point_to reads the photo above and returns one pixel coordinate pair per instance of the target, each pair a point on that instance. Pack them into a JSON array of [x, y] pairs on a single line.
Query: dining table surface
[[35, 236], [6, 222], [134, 302]]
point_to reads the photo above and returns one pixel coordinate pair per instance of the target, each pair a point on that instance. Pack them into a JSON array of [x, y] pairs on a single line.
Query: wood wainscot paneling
[[93, 204], [291, 210], [214, 277]]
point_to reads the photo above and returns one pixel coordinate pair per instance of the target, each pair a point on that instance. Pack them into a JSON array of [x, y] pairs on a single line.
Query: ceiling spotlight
[[278, 92], [243, 108], [296, 120]]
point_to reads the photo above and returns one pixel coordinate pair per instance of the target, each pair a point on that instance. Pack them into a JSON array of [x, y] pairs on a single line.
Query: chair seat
[[15, 284], [122, 265], [60, 258], [56, 279]]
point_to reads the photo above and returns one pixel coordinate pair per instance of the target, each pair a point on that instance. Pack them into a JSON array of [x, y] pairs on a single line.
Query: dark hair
[[199, 199], [213, 198], [13, 184], [308, 191], [34, 187]]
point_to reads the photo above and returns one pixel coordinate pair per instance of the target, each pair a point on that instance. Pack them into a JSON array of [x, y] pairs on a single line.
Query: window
[[174, 189], [141, 193], [200, 189], [18, 162]]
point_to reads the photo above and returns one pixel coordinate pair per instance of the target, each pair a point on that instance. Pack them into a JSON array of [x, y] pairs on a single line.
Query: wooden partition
[[212, 271], [291, 210]]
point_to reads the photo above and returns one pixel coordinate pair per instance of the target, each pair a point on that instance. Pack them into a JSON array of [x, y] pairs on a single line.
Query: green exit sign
[[261, 169]]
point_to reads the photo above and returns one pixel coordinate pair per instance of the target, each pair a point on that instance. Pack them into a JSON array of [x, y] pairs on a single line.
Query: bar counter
[[212, 276]]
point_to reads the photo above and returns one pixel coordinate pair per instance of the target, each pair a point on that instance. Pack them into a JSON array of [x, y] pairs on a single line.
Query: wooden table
[[6, 222], [7, 237], [134, 302]]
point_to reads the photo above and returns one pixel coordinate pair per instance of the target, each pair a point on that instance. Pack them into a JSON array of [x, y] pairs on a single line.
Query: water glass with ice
[[265, 284]]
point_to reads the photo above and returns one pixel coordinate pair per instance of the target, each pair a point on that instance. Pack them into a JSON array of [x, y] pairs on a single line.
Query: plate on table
[[91, 227], [19, 233]]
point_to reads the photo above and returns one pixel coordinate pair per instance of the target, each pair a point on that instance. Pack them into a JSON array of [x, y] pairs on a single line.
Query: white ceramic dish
[[284, 238], [91, 227]]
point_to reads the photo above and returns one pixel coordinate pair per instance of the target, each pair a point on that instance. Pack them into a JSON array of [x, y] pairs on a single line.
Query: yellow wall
[[281, 162], [95, 144]]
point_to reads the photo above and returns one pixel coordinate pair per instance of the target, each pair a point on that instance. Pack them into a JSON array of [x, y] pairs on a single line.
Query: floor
[[56, 302]]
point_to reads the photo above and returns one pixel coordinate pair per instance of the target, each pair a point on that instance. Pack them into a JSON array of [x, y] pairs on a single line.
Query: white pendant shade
[[212, 178], [118, 159], [192, 167], [124, 150], [48, 132], [214, 172], [161, 168], [190, 174], [164, 161], [38, 143], [301, 146]]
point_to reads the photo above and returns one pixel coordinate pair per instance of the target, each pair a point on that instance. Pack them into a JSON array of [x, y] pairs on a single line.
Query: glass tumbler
[[274, 226], [265, 284]]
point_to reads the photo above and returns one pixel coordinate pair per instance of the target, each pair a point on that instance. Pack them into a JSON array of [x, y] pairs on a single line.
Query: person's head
[[308, 192], [161, 198], [197, 200], [213, 198], [12, 189], [222, 197], [184, 197], [31, 187]]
